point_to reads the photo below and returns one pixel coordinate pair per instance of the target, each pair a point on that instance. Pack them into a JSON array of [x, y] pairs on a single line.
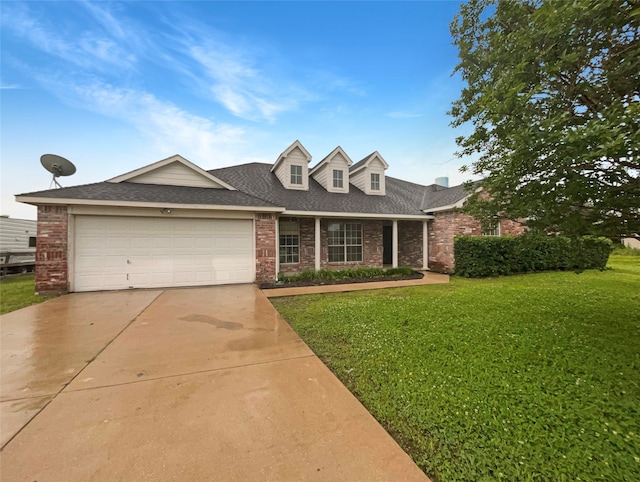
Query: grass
[[620, 250], [522, 378], [17, 292]]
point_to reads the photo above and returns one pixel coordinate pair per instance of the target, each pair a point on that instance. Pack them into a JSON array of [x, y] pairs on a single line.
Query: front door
[[387, 244]]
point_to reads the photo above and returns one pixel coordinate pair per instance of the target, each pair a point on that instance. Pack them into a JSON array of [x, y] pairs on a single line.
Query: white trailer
[[17, 245]]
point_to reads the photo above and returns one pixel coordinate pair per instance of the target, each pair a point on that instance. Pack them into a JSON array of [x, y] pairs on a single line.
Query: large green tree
[[552, 90]]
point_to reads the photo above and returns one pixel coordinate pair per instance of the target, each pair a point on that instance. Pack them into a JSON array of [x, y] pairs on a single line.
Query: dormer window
[[292, 168], [296, 175], [332, 172], [368, 175], [338, 178], [375, 182]]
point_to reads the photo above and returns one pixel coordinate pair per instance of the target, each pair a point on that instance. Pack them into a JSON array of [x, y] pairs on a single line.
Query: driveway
[[181, 384]]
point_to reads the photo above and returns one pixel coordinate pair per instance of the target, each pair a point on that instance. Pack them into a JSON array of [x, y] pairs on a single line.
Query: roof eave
[[35, 201], [448, 207], [346, 215]]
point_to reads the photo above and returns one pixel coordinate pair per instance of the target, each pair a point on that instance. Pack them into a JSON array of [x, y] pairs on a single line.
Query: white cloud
[[81, 48], [10, 86], [171, 128], [104, 17], [242, 88]]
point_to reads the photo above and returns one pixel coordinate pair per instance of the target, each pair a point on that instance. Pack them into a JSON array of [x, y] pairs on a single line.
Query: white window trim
[[495, 231], [340, 178], [291, 175], [379, 183], [288, 231], [345, 245]]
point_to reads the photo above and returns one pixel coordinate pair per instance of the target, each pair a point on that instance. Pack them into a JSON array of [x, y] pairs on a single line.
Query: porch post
[[394, 262], [277, 230], [425, 245], [317, 245]]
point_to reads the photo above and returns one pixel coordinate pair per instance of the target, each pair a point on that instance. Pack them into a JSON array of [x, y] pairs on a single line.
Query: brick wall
[[442, 230], [410, 244], [307, 245], [449, 224], [52, 250], [266, 250], [371, 246], [514, 228]]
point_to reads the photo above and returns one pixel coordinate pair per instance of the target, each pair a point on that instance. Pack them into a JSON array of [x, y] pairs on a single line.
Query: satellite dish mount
[[57, 166]]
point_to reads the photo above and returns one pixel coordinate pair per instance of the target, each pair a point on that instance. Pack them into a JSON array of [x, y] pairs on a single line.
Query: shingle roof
[[445, 196], [136, 192], [358, 164], [259, 187], [401, 197]]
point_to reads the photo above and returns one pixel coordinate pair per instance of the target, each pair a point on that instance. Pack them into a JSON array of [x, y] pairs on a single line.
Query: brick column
[[52, 250], [266, 249], [410, 247], [446, 226]]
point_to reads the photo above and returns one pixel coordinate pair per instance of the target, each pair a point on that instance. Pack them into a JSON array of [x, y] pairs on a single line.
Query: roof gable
[[367, 161], [337, 152], [296, 145], [173, 171]]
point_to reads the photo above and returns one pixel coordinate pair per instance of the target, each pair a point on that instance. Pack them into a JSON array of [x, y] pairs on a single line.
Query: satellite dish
[[58, 166]]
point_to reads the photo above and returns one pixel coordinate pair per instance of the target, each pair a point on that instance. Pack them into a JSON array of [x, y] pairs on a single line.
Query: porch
[[315, 243]]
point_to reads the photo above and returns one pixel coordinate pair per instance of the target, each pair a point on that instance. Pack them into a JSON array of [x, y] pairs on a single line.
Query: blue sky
[[115, 86]]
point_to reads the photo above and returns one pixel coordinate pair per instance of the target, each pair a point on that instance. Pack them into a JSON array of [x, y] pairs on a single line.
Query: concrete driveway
[[181, 384]]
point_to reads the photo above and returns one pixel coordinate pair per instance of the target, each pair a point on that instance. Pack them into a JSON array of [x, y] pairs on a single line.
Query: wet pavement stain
[[225, 325]]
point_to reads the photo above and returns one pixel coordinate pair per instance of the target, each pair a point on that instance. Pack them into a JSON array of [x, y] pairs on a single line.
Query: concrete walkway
[[182, 384], [428, 279]]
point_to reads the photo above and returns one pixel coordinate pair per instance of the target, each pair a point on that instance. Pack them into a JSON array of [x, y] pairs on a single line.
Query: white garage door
[[130, 252]]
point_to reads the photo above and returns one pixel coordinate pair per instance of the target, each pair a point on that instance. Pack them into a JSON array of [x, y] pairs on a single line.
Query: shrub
[[478, 257], [399, 271], [332, 274]]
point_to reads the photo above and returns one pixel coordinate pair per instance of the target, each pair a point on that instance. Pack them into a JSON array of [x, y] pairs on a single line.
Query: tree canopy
[[552, 91]]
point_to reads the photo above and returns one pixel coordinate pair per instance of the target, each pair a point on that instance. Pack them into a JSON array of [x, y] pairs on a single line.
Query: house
[[172, 223]]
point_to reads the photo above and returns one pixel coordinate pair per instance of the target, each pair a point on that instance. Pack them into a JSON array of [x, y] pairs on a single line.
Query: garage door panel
[[182, 261], [239, 276], [184, 242], [114, 243], [91, 261], [116, 261], [139, 242], [163, 242], [161, 252]]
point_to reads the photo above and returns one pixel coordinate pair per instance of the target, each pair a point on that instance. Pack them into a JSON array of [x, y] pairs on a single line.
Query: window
[[337, 178], [375, 182], [289, 242], [32, 241], [493, 230], [296, 174], [345, 242]]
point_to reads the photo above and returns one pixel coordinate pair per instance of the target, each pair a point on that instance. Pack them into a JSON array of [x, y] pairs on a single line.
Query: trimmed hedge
[[482, 256], [355, 273]]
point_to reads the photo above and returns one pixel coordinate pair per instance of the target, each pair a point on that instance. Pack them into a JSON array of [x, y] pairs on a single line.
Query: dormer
[[173, 171], [292, 167], [368, 174], [332, 172]]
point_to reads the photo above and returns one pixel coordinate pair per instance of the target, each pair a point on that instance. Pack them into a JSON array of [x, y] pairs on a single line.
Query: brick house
[[172, 223]]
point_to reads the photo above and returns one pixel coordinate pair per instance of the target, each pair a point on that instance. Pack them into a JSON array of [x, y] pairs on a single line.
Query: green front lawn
[[533, 377], [18, 291]]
